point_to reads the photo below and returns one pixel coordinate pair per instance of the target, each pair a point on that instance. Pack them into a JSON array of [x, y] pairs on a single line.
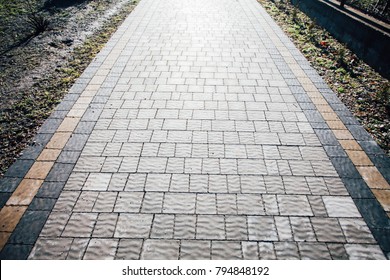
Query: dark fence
[[366, 39], [376, 8]]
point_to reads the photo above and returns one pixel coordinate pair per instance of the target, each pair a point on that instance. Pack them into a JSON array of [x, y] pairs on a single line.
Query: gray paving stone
[[210, 227], [222, 250], [267, 251], [295, 185], [252, 184], [356, 231], [327, 230], [262, 228], [135, 182], [227, 204], [163, 226], [86, 201], [250, 204], [19, 168], [357, 188], [158, 182], [206, 204], [185, 226], [101, 249], [97, 182], [301, 168], [160, 250], [152, 165], [89, 164], [294, 205], [105, 225], [80, 225], [302, 229], [29, 227], [336, 186], [55, 224], [340, 207], [15, 252], [287, 250], [9, 184], [4, 198], [195, 250], [345, 167], [317, 185], [271, 205], [76, 142], [179, 203], [364, 252], [50, 125], [105, 202], [31, 152], [129, 249], [283, 227], [69, 157], [77, 249], [317, 205], [66, 201], [42, 204], [274, 184], [314, 251], [129, 202], [51, 248], [250, 250], [337, 251], [218, 184], [236, 228], [85, 127], [133, 226], [118, 182], [152, 203], [251, 167]]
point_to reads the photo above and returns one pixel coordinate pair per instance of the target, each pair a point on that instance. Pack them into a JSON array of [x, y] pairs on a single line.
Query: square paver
[[225, 250], [105, 225], [294, 205], [129, 249], [80, 225], [160, 250], [179, 203], [195, 250], [97, 182], [210, 227], [133, 226], [340, 207], [163, 227], [101, 249], [328, 230], [262, 228], [51, 249]]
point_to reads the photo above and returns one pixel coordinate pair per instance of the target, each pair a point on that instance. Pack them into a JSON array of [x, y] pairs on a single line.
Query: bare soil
[[36, 70]]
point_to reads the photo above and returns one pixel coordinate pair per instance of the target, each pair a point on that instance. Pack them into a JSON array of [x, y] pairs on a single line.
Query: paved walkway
[[198, 132]]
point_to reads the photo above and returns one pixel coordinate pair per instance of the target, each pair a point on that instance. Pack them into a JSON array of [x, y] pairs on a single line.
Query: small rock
[[67, 41], [53, 44]]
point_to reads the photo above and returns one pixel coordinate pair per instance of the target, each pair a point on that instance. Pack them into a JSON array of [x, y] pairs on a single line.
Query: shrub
[[34, 17], [38, 22]]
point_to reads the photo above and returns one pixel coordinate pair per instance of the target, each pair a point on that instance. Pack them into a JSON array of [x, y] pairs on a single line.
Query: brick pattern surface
[[189, 142]]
